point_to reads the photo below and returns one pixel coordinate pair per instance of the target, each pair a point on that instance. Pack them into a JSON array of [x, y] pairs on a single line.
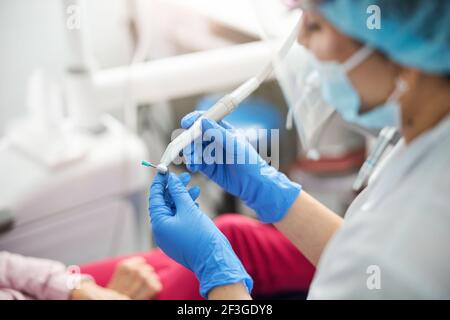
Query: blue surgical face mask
[[338, 91]]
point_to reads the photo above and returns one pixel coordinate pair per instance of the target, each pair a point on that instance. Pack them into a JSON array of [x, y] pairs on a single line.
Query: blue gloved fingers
[[194, 192], [191, 158], [193, 167], [167, 198], [184, 177], [188, 156], [190, 237], [193, 155], [179, 193], [208, 125], [157, 202], [226, 125], [190, 118], [157, 190]]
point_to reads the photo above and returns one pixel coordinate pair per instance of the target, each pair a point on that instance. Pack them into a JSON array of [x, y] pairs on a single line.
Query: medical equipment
[[387, 136], [307, 109], [159, 167], [80, 211], [148, 164], [339, 92], [300, 84], [48, 190], [224, 106]]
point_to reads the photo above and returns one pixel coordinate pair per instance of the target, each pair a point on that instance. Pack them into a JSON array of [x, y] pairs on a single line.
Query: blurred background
[[88, 89]]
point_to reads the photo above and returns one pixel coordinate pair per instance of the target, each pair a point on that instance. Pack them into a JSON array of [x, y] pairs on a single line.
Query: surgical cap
[[413, 33]]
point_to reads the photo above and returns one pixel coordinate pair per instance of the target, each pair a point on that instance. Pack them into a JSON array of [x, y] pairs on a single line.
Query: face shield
[[295, 72]]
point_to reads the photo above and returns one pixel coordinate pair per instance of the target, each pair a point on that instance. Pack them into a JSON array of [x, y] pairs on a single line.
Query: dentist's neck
[[425, 104]]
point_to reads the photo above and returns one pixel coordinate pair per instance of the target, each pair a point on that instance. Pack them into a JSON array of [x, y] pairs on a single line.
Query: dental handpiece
[[217, 112], [223, 107], [154, 166]]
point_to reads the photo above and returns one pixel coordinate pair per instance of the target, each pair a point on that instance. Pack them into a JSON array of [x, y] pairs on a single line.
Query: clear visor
[[294, 70]]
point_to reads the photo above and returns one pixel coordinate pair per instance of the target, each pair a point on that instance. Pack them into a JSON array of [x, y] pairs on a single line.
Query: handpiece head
[[162, 168]]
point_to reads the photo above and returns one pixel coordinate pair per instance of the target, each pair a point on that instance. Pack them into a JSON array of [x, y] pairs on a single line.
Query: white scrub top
[[395, 239]]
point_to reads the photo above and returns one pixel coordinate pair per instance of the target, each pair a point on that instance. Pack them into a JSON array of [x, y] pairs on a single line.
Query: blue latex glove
[[264, 189], [189, 237]]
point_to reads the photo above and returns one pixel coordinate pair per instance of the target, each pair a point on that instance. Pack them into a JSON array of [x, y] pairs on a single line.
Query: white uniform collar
[[402, 160]]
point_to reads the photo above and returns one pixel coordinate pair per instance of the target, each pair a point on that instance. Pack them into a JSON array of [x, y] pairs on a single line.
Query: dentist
[[398, 228]]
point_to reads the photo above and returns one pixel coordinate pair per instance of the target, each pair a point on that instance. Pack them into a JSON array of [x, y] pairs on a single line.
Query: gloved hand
[[189, 237], [267, 191]]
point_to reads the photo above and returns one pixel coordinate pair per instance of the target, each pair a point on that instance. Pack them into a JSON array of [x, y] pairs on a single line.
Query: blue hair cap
[[413, 33]]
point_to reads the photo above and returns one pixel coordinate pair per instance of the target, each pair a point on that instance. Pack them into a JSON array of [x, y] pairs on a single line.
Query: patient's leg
[[177, 281], [275, 265]]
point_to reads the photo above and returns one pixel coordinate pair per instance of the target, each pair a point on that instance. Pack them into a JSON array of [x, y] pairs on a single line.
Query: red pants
[[275, 265]]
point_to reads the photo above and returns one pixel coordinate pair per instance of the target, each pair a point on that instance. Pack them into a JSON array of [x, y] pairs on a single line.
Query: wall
[[32, 36]]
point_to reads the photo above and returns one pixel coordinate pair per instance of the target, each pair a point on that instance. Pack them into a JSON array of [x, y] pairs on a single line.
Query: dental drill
[[154, 166], [222, 108]]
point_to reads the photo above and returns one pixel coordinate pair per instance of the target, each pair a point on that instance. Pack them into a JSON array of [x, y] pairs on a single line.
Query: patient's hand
[[136, 279], [88, 290]]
